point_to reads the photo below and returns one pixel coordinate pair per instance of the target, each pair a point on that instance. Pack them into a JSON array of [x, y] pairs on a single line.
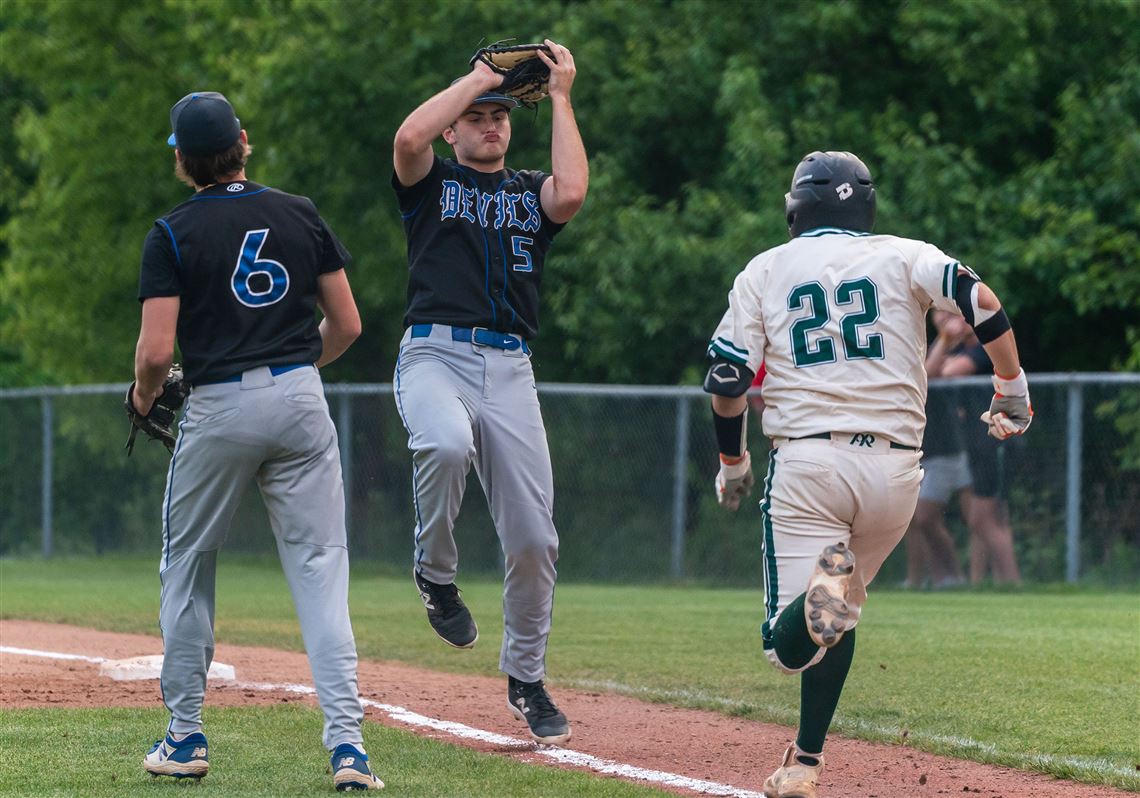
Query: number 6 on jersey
[[245, 281]]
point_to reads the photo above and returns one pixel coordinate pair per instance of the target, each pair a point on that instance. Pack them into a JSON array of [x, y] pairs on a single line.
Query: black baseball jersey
[[477, 243], [245, 259], [943, 434]]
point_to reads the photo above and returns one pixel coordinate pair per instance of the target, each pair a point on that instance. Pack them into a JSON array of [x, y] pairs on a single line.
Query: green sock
[[820, 686], [790, 637]]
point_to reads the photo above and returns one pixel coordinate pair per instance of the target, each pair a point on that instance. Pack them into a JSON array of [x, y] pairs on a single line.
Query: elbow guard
[[988, 324], [726, 378]]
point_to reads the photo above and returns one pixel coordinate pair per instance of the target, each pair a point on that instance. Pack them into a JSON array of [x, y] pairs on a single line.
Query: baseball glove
[[158, 424], [525, 76]]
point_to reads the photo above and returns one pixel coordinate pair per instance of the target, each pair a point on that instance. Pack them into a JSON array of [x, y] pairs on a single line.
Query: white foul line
[[403, 715], [27, 652]]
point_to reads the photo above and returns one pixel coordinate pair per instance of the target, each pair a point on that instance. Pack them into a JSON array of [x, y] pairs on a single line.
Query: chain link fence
[[633, 470]]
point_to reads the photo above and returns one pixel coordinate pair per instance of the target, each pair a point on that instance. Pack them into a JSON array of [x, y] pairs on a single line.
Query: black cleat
[[447, 613], [530, 702]]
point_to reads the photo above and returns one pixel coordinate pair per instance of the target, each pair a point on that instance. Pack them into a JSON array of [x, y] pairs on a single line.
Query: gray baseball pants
[[275, 430], [465, 404]]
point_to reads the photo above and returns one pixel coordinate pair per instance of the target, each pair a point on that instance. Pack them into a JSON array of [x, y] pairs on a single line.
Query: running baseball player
[[478, 234], [838, 317], [235, 273]]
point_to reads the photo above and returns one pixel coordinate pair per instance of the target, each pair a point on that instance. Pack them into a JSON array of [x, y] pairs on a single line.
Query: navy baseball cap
[[203, 123], [505, 100]]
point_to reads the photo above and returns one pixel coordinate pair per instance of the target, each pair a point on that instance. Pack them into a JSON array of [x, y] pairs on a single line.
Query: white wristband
[[737, 470], [1018, 386]]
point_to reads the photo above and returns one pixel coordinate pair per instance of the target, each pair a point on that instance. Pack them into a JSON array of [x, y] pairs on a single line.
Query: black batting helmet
[[830, 189]]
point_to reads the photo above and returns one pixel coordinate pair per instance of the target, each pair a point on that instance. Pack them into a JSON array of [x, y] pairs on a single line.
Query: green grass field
[[272, 751], [1042, 679]]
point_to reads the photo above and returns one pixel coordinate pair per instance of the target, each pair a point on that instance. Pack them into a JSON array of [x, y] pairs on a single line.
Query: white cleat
[[825, 608], [793, 779]]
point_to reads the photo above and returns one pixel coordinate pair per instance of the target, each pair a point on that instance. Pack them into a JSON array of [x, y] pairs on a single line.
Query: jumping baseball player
[[478, 234], [838, 317], [235, 273]]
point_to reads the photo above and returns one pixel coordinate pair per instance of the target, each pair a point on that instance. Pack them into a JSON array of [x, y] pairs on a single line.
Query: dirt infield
[[696, 744]]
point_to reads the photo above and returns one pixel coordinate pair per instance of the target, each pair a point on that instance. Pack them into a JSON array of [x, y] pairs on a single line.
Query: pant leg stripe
[[170, 490], [415, 467], [771, 578]]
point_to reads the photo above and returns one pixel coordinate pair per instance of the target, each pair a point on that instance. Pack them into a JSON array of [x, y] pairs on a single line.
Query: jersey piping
[[246, 195], [173, 241]]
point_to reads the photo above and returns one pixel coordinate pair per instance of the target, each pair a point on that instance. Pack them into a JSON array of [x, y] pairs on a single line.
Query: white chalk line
[[1097, 765], [27, 652], [403, 715]]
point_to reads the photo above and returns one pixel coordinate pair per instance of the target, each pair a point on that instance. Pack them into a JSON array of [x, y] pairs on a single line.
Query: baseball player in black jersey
[[235, 273], [478, 234]]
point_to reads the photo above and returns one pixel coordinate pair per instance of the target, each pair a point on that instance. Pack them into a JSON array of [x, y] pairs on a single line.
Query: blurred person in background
[[931, 556], [990, 462]]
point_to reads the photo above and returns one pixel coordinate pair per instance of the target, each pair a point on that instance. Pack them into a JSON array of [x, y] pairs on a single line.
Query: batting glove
[[734, 482], [1010, 412]]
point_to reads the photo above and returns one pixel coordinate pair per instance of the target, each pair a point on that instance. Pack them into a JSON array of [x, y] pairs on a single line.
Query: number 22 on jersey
[[258, 282], [861, 291]]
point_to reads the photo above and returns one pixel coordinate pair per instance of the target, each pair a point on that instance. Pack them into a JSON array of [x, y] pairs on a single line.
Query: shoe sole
[[772, 791], [353, 781], [826, 609], [456, 645], [179, 770], [556, 739]]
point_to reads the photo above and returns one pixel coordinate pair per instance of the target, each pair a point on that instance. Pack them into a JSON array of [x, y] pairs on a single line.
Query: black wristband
[[729, 434]]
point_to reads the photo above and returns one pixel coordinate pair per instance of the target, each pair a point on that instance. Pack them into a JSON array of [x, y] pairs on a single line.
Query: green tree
[[1005, 133]]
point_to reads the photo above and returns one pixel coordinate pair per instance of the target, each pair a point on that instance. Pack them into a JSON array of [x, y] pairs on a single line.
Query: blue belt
[[274, 370], [480, 336]]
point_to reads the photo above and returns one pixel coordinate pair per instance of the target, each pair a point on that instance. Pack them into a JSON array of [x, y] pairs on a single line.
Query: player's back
[[845, 335], [245, 260]]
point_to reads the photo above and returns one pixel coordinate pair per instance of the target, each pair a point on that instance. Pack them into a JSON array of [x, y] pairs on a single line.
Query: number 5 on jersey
[[258, 282], [518, 247]]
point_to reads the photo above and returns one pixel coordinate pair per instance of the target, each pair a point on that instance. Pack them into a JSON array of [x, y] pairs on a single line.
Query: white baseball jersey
[[839, 320]]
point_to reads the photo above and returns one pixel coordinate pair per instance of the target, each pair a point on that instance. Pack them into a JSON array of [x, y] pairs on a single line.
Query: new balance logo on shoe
[[351, 770], [530, 703], [182, 759]]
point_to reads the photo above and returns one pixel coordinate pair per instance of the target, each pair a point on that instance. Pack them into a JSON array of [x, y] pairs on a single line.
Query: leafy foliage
[[1006, 134]]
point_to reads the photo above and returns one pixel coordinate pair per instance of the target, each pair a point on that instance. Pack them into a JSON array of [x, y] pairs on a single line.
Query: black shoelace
[[540, 701], [447, 596]]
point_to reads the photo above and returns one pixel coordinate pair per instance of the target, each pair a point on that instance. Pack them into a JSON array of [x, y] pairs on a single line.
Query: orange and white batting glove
[[1010, 412], [734, 480]]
